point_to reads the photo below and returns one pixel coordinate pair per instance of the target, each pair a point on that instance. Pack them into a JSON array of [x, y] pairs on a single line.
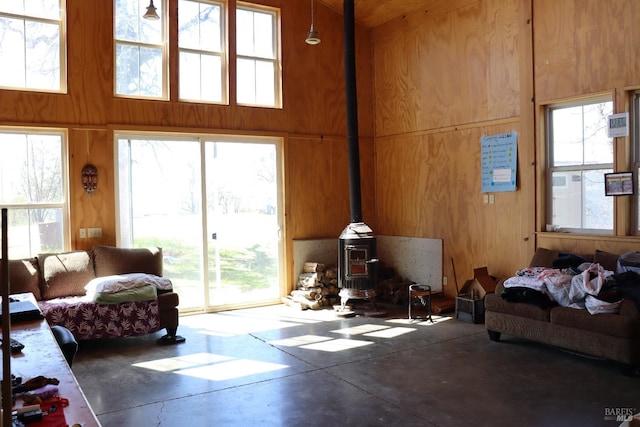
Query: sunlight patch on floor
[[340, 344], [224, 325], [231, 369], [421, 322], [214, 367], [182, 362], [390, 332], [360, 329], [299, 341]]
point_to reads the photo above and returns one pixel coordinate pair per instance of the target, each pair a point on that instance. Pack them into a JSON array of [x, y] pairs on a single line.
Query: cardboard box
[[470, 299]]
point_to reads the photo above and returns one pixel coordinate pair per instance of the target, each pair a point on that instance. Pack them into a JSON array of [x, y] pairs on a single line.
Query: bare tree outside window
[[31, 45], [32, 187]]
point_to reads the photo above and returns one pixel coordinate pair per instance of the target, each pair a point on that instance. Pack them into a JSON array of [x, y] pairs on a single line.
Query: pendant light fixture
[[312, 37], [151, 13]]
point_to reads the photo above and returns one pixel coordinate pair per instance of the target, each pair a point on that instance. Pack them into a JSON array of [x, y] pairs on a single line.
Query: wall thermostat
[[618, 125]]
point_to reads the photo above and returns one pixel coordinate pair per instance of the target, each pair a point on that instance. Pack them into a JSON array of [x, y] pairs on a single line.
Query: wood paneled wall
[[453, 71], [444, 79], [430, 85], [312, 121], [586, 47]]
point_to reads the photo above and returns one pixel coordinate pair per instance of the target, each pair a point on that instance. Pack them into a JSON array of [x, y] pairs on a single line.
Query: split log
[[313, 267], [308, 280]]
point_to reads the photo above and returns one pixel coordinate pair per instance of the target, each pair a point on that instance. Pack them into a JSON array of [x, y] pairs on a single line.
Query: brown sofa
[[610, 336], [58, 283]]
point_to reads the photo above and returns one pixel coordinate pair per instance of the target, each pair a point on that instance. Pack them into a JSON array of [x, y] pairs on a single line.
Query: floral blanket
[[87, 319]]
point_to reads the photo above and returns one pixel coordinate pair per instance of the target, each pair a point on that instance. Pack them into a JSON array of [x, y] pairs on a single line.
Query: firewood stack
[[317, 287]]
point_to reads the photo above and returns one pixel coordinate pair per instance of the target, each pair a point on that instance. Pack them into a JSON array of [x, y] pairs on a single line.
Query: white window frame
[[163, 46], [203, 52], [60, 22], [62, 204], [275, 60], [574, 168]]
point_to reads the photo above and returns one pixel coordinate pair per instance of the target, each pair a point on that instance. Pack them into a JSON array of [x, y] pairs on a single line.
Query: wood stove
[[357, 263]]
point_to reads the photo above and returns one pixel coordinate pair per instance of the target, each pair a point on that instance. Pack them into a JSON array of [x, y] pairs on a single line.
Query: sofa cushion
[[110, 260], [606, 324], [144, 293], [65, 274], [543, 258], [607, 260], [24, 277], [494, 302]]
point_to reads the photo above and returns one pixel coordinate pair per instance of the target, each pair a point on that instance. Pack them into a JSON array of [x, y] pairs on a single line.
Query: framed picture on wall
[[618, 184]]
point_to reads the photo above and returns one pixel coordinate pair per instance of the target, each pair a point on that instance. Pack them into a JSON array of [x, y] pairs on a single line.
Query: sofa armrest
[[167, 299], [628, 308]]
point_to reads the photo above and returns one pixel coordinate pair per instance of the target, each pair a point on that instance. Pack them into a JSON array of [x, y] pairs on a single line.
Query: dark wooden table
[[42, 356]]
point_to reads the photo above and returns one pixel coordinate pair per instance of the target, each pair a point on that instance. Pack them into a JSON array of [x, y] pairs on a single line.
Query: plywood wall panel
[[587, 245], [91, 146], [584, 47], [417, 196], [505, 42], [90, 64], [439, 70], [317, 183]]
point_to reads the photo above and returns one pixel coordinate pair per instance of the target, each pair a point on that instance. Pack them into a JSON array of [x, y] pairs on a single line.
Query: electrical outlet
[[445, 280], [95, 232], [83, 233], [492, 198]]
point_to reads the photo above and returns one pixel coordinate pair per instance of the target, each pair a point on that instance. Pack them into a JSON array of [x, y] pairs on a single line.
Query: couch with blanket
[[106, 292], [553, 308]]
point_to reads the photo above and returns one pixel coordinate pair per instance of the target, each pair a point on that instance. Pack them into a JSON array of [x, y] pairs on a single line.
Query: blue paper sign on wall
[[499, 162]]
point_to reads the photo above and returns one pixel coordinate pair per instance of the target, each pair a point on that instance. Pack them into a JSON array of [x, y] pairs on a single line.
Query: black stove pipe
[[352, 111]]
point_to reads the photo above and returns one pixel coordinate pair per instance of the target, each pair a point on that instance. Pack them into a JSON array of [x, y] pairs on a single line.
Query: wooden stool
[[423, 294]]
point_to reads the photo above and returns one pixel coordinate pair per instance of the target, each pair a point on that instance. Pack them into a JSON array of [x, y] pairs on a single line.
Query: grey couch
[[610, 336]]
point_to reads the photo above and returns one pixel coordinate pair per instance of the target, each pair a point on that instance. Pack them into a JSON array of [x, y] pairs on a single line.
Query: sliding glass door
[[212, 204]]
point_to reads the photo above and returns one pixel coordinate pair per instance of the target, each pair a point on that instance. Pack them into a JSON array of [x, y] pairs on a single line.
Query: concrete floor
[[279, 366]]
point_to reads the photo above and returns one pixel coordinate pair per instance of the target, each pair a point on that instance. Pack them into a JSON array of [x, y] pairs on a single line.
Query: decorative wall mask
[[89, 178]]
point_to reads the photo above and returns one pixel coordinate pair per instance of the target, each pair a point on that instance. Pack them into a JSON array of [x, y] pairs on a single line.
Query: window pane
[[258, 66], [31, 168], [139, 50], [30, 49], [43, 49], [265, 83], [12, 53], [34, 231], [127, 69], [150, 72], [580, 135], [199, 26], [138, 70], [200, 77], [32, 186], [131, 26], [255, 34], [244, 32], [246, 81], [263, 33], [579, 200], [49, 9]]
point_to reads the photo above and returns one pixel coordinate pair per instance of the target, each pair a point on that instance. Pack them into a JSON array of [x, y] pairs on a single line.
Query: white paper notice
[[501, 175]]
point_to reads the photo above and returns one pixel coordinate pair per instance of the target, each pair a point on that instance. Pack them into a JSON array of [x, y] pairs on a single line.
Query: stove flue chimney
[[352, 111], [357, 262]]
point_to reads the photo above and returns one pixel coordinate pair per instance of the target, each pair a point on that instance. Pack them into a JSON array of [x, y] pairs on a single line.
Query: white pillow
[[122, 282]]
